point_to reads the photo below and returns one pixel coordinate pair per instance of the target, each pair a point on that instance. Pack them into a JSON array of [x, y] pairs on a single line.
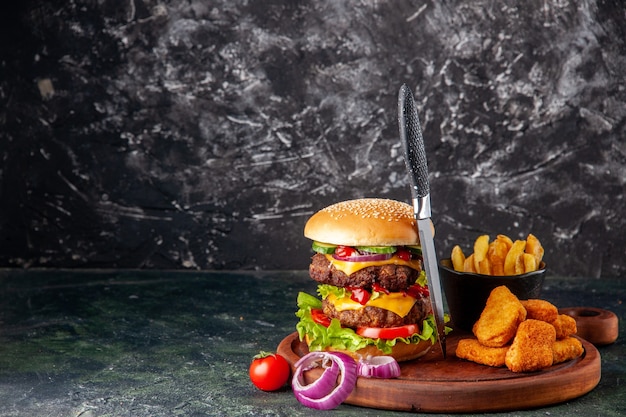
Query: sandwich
[[372, 294]]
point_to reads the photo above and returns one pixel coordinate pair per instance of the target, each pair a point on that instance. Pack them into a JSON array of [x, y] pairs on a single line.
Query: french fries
[[497, 254], [469, 265], [499, 257], [513, 263], [480, 253], [458, 259], [533, 247]]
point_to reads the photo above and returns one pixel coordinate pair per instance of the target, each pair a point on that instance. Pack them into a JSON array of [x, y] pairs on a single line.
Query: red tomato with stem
[[269, 371]]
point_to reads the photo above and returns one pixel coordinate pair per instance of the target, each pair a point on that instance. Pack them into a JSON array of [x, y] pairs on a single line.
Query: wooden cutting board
[[451, 385]]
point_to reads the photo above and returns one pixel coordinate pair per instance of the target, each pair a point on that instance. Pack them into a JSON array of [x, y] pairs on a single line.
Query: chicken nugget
[[566, 349], [540, 310], [472, 350], [531, 349], [565, 326], [498, 321]]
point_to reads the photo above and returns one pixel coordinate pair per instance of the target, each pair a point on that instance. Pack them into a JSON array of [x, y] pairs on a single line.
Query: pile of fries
[[500, 257], [523, 335]]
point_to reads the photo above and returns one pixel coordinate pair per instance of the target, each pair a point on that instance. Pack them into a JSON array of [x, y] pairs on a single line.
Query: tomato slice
[[388, 332], [345, 251], [319, 317], [404, 254]]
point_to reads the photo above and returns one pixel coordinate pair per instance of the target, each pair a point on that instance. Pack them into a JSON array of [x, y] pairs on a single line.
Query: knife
[[415, 158]]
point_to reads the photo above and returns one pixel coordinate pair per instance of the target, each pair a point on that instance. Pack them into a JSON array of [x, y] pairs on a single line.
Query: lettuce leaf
[[324, 290], [343, 338], [421, 280]]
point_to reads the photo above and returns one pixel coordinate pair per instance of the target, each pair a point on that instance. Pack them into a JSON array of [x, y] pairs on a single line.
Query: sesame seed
[[377, 208]]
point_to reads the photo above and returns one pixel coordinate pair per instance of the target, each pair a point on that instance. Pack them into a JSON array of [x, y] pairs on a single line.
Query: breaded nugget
[[498, 321], [566, 349], [565, 326], [531, 349], [472, 350], [540, 310]]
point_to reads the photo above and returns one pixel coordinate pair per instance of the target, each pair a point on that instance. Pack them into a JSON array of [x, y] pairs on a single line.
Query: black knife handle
[[413, 142]]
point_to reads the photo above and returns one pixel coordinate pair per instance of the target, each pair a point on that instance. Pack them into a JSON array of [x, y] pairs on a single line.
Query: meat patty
[[392, 277], [378, 317]]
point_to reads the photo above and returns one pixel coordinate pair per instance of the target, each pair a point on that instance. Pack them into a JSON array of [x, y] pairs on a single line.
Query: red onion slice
[[321, 386], [372, 257], [378, 367], [326, 392]]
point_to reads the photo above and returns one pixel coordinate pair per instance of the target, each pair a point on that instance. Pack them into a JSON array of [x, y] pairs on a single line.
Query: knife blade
[[417, 167]]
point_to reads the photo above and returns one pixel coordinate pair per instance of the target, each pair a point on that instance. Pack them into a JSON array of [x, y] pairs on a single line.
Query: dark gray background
[[203, 134]]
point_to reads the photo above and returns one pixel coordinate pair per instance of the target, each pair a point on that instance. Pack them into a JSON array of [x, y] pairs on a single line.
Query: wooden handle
[[595, 325]]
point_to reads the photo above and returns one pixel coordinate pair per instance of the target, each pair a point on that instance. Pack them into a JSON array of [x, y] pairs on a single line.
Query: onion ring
[[326, 392], [378, 367], [369, 257], [321, 386]]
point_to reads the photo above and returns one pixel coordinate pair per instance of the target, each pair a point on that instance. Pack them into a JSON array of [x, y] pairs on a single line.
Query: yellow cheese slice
[[349, 268], [397, 302]]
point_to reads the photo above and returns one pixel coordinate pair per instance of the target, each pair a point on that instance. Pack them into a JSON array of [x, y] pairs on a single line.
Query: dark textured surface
[[194, 134], [154, 343]]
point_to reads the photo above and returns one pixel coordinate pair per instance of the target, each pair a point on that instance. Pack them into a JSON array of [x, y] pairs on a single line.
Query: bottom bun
[[401, 352]]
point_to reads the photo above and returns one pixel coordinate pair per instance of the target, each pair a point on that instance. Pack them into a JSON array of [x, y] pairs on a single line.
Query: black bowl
[[467, 293]]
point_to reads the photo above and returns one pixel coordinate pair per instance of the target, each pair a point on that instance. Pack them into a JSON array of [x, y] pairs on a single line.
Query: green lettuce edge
[[337, 337]]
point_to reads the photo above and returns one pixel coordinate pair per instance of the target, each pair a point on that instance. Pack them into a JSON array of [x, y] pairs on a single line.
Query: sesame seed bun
[[364, 222]]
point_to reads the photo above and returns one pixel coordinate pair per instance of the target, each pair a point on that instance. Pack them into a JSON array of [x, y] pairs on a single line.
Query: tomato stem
[[263, 354]]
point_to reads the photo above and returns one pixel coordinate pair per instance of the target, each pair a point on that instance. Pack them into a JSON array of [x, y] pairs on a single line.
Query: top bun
[[364, 222]]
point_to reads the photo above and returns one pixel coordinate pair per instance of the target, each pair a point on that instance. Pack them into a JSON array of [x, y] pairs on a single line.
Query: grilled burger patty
[[378, 317], [391, 277]]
